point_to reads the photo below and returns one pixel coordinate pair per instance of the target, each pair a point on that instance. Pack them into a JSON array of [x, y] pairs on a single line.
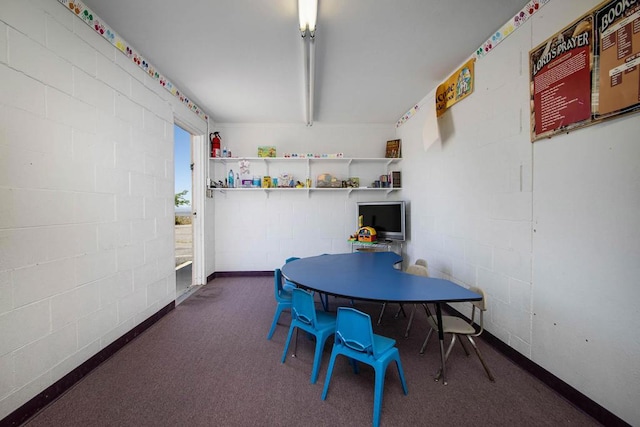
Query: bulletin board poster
[[560, 85], [618, 58], [588, 72], [457, 87]]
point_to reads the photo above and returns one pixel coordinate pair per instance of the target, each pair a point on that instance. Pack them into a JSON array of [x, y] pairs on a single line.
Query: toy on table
[[367, 235]]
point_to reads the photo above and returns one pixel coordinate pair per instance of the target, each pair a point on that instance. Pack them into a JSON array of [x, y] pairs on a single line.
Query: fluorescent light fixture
[[308, 14]]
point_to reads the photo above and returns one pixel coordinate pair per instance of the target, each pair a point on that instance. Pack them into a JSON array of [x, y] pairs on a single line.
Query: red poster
[[588, 72], [561, 80]]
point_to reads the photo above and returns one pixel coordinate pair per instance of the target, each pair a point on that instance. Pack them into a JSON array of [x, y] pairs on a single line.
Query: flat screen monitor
[[387, 218]]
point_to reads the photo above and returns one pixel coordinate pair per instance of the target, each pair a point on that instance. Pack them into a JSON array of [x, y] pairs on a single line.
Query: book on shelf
[[396, 181], [393, 149]]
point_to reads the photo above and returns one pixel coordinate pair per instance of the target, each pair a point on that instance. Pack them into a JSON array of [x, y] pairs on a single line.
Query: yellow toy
[[367, 234]]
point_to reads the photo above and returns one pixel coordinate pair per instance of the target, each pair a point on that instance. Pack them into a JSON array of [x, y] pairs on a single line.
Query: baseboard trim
[[52, 392], [239, 274], [584, 403]]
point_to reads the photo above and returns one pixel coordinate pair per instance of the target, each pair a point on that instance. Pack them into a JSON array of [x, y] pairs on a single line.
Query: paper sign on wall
[[457, 87]]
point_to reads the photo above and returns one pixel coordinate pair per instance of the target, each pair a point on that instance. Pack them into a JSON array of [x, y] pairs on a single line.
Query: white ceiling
[[241, 60]]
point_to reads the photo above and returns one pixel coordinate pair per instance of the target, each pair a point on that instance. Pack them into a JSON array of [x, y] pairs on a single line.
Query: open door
[[183, 168]]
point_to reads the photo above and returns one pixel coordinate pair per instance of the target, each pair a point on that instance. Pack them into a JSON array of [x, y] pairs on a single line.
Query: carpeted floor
[[208, 362]]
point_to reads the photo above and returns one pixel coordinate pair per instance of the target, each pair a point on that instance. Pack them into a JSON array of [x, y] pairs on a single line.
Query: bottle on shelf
[[230, 179]]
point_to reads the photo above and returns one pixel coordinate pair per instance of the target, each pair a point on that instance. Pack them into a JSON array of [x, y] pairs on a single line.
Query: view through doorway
[[183, 164]]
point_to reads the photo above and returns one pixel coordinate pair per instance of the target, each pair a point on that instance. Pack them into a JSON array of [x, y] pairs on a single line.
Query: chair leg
[[464, 347], [400, 310], [426, 309], [286, 344], [324, 299], [403, 382], [317, 358], [354, 364], [446, 356], [424, 345], [276, 317], [486, 368], [377, 394], [384, 305], [327, 379], [295, 345], [413, 313]]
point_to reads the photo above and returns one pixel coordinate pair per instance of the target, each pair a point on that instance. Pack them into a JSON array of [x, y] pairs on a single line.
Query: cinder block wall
[[550, 230], [86, 196]]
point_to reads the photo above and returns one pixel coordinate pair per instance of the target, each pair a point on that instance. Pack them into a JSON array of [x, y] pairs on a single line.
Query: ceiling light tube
[[312, 61], [308, 15], [307, 81]]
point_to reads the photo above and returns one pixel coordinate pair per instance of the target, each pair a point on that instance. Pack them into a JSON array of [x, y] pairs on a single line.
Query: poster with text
[[560, 72], [457, 87], [617, 49]]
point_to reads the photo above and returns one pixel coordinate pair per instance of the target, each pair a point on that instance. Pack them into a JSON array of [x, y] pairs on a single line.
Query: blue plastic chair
[[288, 286], [355, 339], [283, 298], [319, 323]]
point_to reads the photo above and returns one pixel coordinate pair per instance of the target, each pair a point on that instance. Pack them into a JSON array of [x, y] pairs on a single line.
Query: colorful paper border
[[407, 115], [520, 18], [523, 16], [90, 18]]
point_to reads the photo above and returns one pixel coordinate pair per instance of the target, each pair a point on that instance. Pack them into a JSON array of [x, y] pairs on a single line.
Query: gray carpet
[[208, 362]]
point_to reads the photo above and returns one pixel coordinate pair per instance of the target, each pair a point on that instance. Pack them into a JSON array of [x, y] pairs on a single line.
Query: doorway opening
[[183, 164]]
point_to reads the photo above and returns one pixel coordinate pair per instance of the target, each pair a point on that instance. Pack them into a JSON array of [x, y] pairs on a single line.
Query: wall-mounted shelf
[[302, 169], [383, 160], [306, 190]]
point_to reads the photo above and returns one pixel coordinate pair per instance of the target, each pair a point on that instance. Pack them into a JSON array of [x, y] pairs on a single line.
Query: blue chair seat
[[382, 344], [325, 320]]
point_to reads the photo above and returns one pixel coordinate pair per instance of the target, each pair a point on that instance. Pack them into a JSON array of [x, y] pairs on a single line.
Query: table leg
[[441, 338], [324, 299], [384, 305]]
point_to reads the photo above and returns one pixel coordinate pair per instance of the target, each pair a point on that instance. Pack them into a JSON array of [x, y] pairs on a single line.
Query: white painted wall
[[550, 230], [86, 196], [256, 231]]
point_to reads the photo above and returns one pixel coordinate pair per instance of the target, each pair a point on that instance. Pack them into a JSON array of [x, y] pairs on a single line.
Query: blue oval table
[[371, 276]]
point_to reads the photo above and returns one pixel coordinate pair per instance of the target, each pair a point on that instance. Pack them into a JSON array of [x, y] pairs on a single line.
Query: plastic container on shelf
[[231, 179]]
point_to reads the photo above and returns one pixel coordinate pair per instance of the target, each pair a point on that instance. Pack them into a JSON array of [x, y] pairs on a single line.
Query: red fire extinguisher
[[215, 144]]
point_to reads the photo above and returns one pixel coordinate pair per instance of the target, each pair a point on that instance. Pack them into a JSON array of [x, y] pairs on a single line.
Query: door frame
[[198, 152]]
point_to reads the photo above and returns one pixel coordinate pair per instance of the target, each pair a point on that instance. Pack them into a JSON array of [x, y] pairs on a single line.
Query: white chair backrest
[[417, 270], [482, 304]]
